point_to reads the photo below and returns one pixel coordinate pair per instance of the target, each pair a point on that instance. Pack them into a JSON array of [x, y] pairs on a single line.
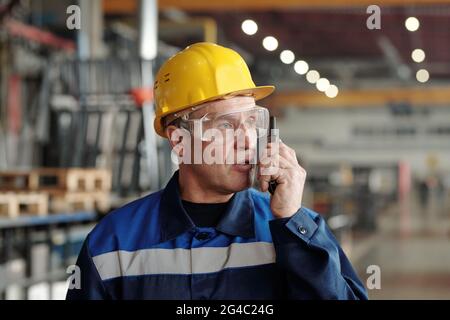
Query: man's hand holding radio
[[280, 164]]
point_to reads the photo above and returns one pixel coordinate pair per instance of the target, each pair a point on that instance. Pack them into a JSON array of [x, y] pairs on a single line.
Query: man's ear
[[174, 140], [180, 141], [177, 136], [172, 137]]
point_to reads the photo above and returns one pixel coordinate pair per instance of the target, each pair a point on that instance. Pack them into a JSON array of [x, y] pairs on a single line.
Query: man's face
[[234, 118]]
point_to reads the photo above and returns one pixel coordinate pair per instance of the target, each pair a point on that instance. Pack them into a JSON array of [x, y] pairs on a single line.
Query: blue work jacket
[[150, 249]]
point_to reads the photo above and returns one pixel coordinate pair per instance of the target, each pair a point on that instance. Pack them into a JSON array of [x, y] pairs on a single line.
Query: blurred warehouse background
[[363, 96]]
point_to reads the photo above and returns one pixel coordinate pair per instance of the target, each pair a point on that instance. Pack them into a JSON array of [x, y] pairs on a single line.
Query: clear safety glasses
[[252, 120]]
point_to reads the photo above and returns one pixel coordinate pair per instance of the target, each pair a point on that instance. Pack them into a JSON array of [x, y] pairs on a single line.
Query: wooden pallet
[[88, 180], [56, 179], [33, 180], [71, 201], [15, 204], [48, 179], [67, 188], [71, 179], [14, 180]]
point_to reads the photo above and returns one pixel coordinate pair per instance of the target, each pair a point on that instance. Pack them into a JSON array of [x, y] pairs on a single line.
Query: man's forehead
[[223, 105]]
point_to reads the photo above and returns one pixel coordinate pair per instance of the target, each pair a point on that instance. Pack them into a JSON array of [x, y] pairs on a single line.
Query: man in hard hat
[[207, 234]]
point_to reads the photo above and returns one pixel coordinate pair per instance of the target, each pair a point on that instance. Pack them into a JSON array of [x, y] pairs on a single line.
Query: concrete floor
[[412, 249]]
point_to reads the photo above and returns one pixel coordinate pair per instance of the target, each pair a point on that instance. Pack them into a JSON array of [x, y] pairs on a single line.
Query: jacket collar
[[238, 220]]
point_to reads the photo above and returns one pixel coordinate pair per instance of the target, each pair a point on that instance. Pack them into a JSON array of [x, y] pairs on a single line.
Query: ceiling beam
[[282, 4], [424, 96], [120, 6], [131, 6], [203, 28]]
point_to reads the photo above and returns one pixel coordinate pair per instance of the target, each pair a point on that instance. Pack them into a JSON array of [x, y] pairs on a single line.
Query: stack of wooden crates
[[43, 190]]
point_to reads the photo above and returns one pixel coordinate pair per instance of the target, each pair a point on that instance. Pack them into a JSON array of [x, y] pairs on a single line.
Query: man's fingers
[[264, 185], [277, 162], [283, 150], [277, 173]]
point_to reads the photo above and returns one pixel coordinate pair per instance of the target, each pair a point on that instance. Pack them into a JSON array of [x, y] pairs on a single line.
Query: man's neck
[[191, 190]]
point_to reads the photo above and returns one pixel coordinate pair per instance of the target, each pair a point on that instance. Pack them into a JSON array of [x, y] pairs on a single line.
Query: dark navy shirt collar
[[238, 219]]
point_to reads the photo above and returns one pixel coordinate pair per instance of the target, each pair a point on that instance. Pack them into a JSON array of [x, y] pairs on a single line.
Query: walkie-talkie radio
[[272, 138]]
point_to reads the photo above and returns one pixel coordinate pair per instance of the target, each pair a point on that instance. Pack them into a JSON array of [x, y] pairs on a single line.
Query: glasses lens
[[253, 119]]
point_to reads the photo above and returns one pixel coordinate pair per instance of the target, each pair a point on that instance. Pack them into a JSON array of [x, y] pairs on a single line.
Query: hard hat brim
[[258, 93]]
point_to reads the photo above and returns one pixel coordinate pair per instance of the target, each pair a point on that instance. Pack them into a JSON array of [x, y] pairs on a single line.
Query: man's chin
[[239, 181]]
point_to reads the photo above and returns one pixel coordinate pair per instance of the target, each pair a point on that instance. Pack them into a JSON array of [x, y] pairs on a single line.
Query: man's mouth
[[243, 167]]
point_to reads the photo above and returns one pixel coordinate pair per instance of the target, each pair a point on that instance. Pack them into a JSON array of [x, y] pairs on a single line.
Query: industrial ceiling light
[[312, 76], [270, 43], [422, 75], [322, 84], [301, 67], [332, 91], [418, 55], [412, 24], [249, 27], [287, 56]]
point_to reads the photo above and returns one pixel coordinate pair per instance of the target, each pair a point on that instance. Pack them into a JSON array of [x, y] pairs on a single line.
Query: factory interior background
[[362, 95]]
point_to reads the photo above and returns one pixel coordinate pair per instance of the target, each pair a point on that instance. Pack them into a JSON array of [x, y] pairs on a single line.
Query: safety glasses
[[252, 120]]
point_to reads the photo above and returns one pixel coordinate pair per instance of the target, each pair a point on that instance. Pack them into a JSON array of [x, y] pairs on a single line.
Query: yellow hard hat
[[200, 73]]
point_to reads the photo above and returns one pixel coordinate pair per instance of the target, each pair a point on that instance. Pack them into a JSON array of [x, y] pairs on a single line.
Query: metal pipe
[[148, 39]]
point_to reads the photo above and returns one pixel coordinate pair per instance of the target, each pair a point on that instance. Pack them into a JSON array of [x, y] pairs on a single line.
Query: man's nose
[[245, 138]]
